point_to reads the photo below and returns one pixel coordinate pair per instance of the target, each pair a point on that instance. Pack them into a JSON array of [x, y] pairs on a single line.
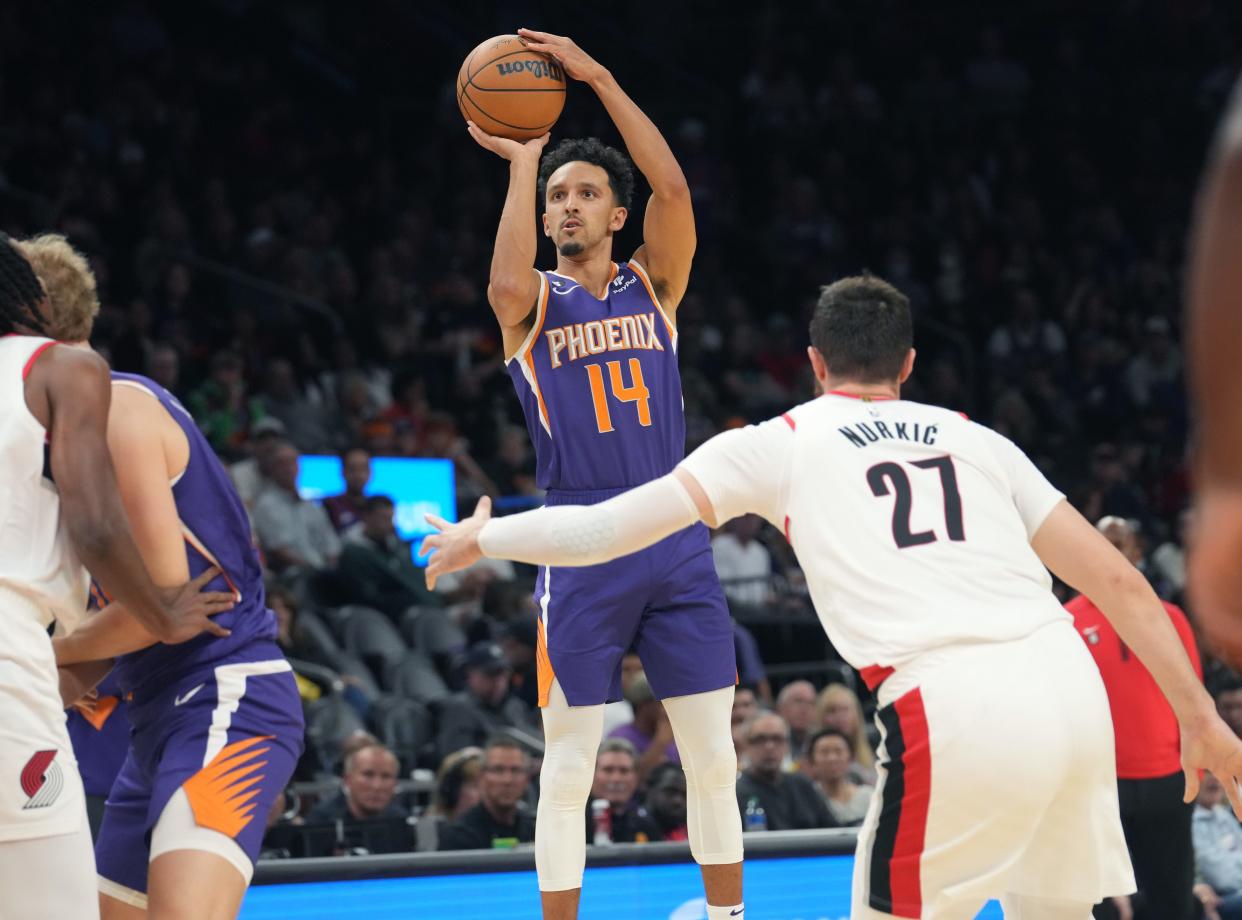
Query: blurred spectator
[[742, 562], [620, 712], [249, 475], [838, 707], [1026, 341], [789, 800], [346, 510], [829, 755], [164, 367], [304, 422], [458, 783], [666, 801], [1158, 367], [376, 567], [1168, 561], [750, 669], [471, 716], [1218, 852], [1228, 693], [796, 705], [498, 821], [616, 780], [1150, 781], [519, 641], [745, 708], [368, 792], [222, 407], [650, 731], [292, 532]]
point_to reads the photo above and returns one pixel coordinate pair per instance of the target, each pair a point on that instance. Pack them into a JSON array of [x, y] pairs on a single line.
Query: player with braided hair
[[59, 508]]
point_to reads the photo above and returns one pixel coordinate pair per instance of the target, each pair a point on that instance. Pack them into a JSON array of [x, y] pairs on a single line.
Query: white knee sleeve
[[704, 738], [571, 737]]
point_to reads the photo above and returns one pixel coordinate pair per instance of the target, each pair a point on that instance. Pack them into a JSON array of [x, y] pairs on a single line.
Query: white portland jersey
[[911, 523], [36, 557], [41, 580]]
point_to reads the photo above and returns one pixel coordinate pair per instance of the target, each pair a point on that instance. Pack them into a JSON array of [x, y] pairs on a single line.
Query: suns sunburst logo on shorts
[[42, 780]]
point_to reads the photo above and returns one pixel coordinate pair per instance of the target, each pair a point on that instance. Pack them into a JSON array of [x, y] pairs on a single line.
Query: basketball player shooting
[[1214, 299], [592, 350], [924, 538]]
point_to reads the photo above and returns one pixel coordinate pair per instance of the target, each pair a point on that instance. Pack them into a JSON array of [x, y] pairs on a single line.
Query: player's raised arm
[[1080, 556], [71, 388], [513, 284], [668, 224]]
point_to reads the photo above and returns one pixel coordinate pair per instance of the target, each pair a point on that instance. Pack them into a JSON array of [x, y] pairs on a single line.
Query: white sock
[[717, 912]]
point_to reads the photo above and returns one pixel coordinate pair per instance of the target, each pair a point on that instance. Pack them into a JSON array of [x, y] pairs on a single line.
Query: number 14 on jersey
[[635, 392]]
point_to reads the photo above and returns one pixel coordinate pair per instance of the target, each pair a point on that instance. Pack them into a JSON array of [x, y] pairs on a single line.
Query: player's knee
[[713, 768], [566, 776]]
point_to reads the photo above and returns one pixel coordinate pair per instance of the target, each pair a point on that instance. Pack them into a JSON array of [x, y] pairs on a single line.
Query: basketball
[[510, 91]]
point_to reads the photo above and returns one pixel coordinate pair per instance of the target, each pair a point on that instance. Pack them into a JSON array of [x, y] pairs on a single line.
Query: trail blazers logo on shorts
[[42, 780]]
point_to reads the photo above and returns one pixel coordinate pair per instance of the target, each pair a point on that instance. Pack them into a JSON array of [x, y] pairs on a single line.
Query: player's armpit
[[669, 242]]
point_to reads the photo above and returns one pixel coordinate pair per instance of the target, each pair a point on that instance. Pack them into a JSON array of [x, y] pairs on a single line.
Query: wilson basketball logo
[[548, 70], [42, 780]]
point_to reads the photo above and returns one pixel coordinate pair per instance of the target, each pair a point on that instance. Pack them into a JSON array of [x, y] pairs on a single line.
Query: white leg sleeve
[[1022, 907], [701, 728], [571, 737]]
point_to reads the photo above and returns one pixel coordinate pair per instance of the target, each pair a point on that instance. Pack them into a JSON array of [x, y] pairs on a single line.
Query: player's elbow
[[511, 302]]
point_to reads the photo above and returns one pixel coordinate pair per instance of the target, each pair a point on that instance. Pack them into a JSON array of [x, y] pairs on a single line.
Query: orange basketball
[[510, 91]]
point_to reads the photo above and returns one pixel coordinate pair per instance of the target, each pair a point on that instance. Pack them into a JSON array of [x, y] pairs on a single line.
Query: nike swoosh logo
[[736, 913], [185, 698]]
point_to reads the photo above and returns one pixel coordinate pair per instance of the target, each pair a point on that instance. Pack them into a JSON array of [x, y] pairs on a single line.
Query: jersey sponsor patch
[[42, 780]]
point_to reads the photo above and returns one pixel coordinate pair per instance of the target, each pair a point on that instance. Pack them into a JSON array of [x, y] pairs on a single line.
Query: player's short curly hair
[[862, 327], [594, 151], [69, 282]]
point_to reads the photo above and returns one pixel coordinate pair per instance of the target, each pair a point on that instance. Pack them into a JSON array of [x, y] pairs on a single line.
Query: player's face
[[504, 777], [579, 208], [615, 777]]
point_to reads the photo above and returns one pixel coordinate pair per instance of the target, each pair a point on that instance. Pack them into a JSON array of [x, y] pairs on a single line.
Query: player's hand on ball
[[505, 148], [577, 63], [456, 546], [1213, 746]]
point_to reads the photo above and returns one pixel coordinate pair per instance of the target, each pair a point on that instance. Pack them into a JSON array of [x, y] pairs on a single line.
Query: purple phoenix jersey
[[218, 719], [217, 531], [599, 384]]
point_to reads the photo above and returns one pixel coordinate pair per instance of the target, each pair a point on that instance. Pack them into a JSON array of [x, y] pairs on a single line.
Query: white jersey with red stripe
[[41, 581], [911, 523]]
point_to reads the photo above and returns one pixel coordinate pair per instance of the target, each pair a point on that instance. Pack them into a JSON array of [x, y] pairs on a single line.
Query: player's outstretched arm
[[513, 284], [1214, 316], [72, 390], [668, 224], [573, 535], [1080, 556]]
